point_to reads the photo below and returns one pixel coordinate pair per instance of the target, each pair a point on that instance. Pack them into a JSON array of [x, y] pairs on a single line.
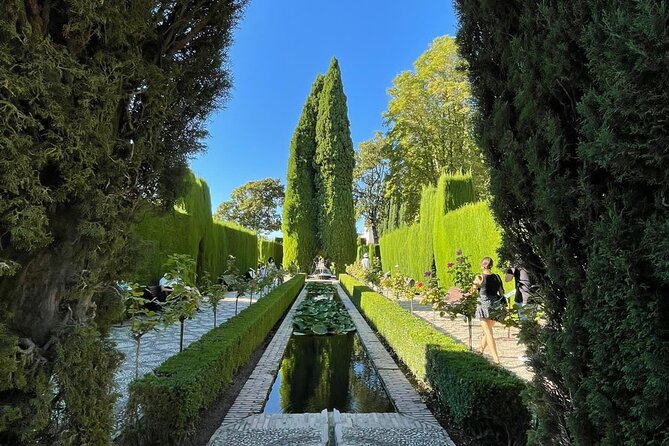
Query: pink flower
[[419, 284], [458, 252], [450, 265]]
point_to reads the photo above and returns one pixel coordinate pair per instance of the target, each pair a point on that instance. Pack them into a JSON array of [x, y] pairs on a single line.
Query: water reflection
[[327, 372]]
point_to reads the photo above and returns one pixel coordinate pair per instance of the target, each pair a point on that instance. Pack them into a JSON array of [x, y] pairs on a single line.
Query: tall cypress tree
[[103, 103], [335, 160], [575, 134], [299, 207]]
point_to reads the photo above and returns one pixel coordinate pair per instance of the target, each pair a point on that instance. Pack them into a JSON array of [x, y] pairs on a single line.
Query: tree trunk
[[181, 334], [138, 340], [214, 317]]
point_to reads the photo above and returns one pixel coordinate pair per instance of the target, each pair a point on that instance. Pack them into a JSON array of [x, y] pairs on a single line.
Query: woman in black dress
[[490, 288]]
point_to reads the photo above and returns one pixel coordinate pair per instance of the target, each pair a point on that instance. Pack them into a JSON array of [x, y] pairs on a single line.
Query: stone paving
[[245, 424], [511, 352], [157, 346]]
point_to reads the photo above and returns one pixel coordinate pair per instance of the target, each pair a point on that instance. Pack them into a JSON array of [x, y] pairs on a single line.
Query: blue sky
[[280, 47]]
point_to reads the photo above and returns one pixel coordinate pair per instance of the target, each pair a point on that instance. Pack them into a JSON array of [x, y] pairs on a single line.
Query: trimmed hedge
[[479, 395], [170, 400], [268, 248], [472, 229], [413, 248], [190, 229]]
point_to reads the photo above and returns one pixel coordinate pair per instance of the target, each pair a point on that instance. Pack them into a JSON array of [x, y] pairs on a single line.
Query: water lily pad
[[319, 329]]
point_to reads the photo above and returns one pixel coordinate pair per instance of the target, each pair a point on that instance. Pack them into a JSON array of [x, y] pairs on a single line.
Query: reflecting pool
[[327, 372]]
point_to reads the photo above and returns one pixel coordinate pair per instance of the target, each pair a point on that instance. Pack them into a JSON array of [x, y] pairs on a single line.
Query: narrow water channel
[[327, 372]]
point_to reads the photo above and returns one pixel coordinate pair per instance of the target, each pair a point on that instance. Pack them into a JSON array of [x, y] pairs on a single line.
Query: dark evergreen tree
[[335, 160], [573, 100], [300, 241], [102, 103]]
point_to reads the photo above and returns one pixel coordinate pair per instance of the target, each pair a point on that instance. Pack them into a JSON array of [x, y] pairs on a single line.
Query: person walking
[[491, 292]]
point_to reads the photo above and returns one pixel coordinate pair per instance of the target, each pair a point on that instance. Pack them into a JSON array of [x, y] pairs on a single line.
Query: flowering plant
[[463, 280]]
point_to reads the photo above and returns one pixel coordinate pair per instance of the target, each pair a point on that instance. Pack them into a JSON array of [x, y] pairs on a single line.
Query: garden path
[[157, 346], [511, 352]]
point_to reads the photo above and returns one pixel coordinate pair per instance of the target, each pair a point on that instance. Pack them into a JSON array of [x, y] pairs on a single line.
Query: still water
[[327, 372]]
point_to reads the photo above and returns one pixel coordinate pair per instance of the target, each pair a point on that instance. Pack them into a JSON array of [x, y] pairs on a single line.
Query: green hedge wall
[[478, 395], [453, 191], [268, 248], [472, 229], [190, 229], [413, 247], [172, 398]]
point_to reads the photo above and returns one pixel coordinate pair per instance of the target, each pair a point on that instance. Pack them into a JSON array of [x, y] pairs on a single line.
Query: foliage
[[182, 302], [102, 105], [462, 278], [142, 318], [267, 249], [189, 229], [84, 368], [369, 181], [472, 229], [254, 205], [214, 292], [414, 248], [164, 407], [430, 119], [472, 389], [299, 210], [334, 161], [109, 308], [322, 314], [568, 112]]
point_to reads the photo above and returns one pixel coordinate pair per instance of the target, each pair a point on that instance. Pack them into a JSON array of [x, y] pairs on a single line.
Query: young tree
[[182, 302], [102, 104], [430, 125], [369, 179], [254, 205], [335, 160], [574, 132], [300, 241]]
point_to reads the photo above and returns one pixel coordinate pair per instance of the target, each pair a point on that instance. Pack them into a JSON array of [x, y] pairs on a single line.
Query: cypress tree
[[299, 208], [575, 134], [335, 160], [103, 103]]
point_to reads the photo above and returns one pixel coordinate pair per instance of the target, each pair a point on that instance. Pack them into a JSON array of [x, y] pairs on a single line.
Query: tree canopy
[[429, 120], [369, 181], [102, 104], [575, 136], [254, 205]]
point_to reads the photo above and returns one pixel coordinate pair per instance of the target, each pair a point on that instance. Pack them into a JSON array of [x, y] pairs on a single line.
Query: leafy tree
[[430, 128], [102, 104], [369, 177], [142, 319], [182, 302], [574, 131], [254, 205], [334, 160], [300, 242]]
